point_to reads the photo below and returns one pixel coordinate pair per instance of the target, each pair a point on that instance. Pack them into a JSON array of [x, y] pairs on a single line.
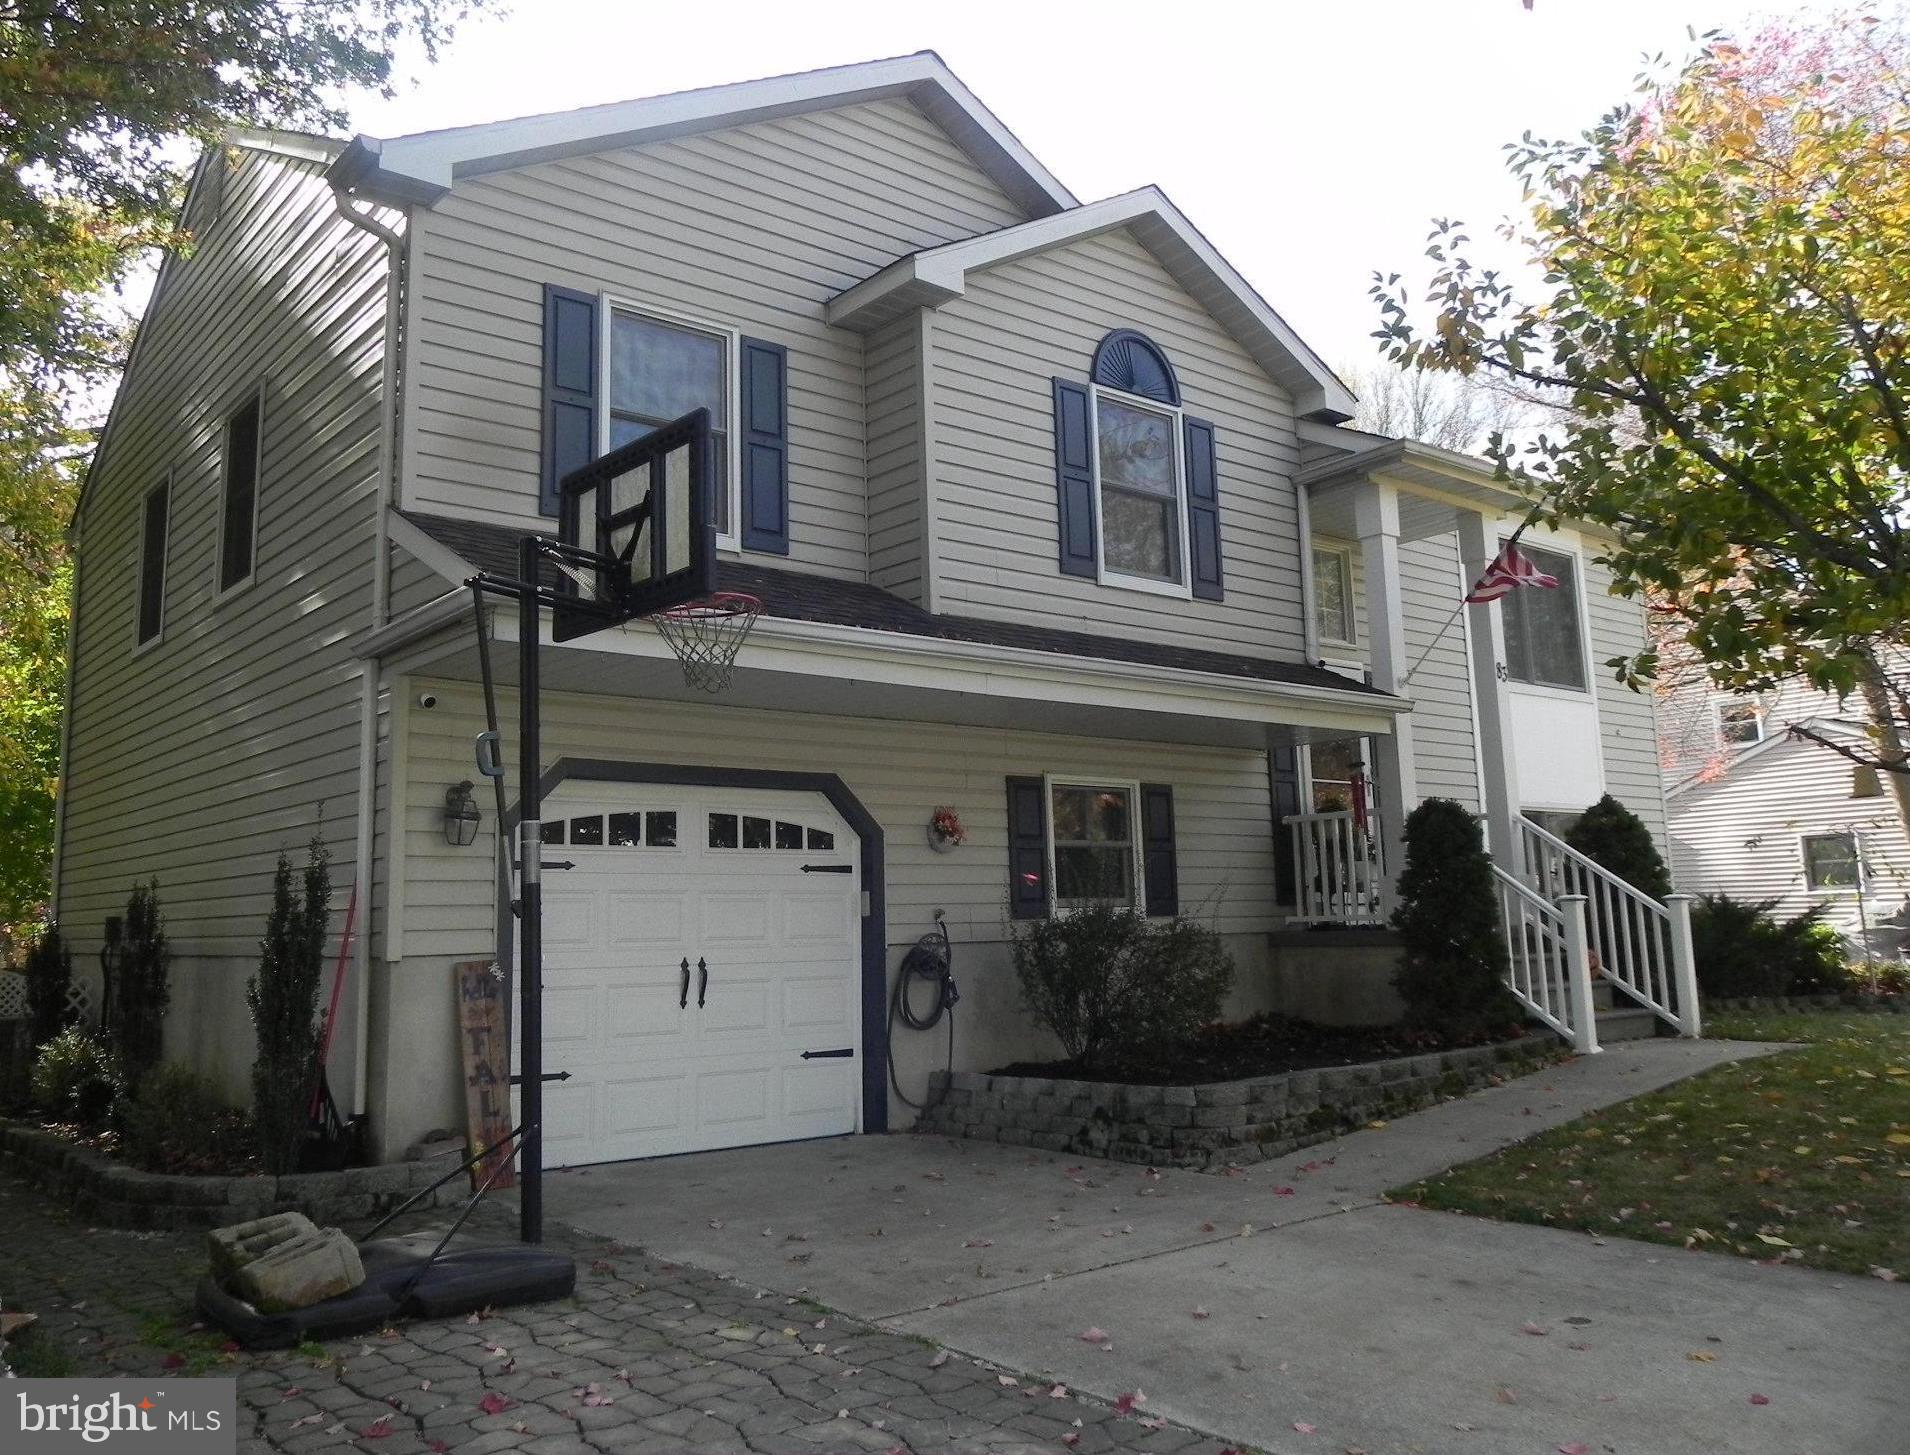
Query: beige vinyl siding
[[1444, 749], [197, 760], [998, 348], [900, 774], [413, 584], [1627, 720], [753, 228], [897, 495], [1739, 835]]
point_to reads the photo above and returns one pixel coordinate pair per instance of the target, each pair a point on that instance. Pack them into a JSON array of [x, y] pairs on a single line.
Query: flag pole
[[1531, 518]]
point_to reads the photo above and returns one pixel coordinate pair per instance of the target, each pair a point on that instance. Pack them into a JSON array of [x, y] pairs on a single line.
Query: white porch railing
[[1337, 869], [1641, 946], [1550, 962]]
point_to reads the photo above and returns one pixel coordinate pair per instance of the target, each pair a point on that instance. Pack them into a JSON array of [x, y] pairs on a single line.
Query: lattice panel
[[13, 996]]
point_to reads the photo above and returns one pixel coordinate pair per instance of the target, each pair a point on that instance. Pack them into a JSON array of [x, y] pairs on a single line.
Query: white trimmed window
[[1740, 723], [1093, 845], [1544, 628], [154, 527], [1140, 493], [659, 370], [239, 493], [1830, 861], [1333, 596]]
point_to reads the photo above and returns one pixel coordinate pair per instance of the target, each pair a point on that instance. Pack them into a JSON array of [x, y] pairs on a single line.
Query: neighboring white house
[[1761, 813], [359, 388]]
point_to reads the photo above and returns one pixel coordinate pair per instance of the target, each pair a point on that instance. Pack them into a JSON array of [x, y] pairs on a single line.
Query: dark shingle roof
[[800, 596]]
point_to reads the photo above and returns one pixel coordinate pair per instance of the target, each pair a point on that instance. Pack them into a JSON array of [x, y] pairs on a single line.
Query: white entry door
[[702, 971]]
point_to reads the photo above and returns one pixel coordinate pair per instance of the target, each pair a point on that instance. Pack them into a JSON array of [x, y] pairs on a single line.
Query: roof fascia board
[[936, 275], [323, 150], [421, 167]]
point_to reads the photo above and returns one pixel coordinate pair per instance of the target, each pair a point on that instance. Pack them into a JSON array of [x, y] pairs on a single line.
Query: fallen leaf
[[293, 1392], [494, 1403], [1888, 1275], [1094, 1336], [939, 1360], [1376, 1126], [1070, 1439], [1199, 1312], [1060, 1391], [378, 1429], [979, 1243], [438, 1447], [1283, 1192], [303, 1420], [1577, 1447], [1760, 1399], [1154, 1422], [1303, 1428], [1124, 1404], [1007, 1381], [1534, 1330], [173, 1361], [1702, 1356], [1775, 1241], [1506, 1396]]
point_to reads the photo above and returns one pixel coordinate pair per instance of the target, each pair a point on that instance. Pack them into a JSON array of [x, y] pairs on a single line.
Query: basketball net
[[706, 635]]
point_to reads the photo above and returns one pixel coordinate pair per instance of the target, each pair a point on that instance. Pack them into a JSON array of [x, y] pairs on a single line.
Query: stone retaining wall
[[102, 1190], [1228, 1122]]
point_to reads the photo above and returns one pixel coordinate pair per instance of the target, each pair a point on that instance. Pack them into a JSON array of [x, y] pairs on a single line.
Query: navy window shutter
[[570, 387], [765, 443], [1283, 783], [1027, 849], [1159, 872], [1203, 508], [1074, 477]]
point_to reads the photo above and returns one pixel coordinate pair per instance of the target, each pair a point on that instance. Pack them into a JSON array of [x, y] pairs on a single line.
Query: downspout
[[367, 805]]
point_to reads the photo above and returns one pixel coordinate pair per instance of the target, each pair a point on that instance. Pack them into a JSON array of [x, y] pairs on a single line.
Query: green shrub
[[49, 972], [1107, 982], [283, 998], [76, 1079], [1453, 970], [1615, 838], [1740, 949], [178, 1122], [142, 986]]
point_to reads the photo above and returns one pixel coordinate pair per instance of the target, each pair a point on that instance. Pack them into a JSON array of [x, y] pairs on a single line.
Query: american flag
[[1507, 573]]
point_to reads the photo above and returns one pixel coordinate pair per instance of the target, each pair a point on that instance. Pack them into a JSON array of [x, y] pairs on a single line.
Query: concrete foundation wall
[[1335, 977]]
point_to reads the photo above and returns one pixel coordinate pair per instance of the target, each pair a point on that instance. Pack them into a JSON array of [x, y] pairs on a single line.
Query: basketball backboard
[[638, 529]]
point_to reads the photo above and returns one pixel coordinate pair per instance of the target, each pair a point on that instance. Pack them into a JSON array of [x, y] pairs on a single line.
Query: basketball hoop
[[706, 634]]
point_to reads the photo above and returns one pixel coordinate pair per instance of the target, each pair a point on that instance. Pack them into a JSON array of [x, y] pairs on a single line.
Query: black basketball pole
[[530, 924]]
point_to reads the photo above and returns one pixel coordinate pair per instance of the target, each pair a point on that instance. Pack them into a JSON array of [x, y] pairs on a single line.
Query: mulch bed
[[1266, 1045]]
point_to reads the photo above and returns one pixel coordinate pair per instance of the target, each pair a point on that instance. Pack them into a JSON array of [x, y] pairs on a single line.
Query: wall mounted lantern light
[[461, 815]]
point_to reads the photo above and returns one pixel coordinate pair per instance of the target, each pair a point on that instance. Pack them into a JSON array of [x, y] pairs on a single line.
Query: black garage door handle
[[819, 1055], [828, 868], [684, 998], [703, 982]]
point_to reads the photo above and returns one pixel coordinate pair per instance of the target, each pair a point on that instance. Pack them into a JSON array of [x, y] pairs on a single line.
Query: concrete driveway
[[1290, 1295]]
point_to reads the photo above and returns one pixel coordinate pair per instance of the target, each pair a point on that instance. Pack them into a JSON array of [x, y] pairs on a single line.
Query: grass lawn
[[1802, 1156]]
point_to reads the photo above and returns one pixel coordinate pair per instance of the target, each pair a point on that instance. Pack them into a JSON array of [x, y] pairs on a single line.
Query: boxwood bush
[[1742, 949]]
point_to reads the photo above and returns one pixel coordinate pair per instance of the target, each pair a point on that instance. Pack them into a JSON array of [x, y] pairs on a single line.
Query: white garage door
[[703, 942]]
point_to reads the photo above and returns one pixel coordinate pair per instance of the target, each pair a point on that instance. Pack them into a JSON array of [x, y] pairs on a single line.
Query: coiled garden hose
[[930, 960]]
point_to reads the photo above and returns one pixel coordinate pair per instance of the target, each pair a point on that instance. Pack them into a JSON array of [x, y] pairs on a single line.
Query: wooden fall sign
[[485, 1038]]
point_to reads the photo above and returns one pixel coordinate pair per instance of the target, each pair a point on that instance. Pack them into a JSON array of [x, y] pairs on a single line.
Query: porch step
[[1634, 1024]]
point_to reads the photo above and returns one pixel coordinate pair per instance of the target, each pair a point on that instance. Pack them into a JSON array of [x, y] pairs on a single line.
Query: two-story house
[[1054, 519]]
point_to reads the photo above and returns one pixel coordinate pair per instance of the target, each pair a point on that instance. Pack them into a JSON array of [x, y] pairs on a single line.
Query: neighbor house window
[[1091, 843], [659, 372], [1138, 481], [1830, 861], [1544, 639], [239, 495], [1333, 595], [1740, 723], [152, 562]]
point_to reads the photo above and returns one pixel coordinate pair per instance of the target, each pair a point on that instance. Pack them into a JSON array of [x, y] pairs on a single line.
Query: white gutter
[[364, 843]]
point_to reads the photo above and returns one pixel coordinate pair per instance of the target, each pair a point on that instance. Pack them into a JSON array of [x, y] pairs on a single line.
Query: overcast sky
[[1310, 142]]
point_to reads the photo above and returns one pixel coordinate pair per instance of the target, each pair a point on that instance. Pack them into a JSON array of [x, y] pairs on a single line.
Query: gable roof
[[1703, 778], [933, 276], [422, 166]]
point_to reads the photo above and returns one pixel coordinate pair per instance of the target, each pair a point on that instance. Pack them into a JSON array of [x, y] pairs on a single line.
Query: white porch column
[[1491, 698], [1376, 515]]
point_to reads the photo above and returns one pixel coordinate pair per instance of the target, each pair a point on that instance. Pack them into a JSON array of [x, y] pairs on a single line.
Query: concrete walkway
[[1290, 1295]]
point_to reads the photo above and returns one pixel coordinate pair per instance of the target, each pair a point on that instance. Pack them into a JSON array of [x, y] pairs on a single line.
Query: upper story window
[[153, 530], [1544, 629], [1740, 723], [1333, 595], [1138, 479], [1830, 861], [660, 370], [239, 495], [1139, 500]]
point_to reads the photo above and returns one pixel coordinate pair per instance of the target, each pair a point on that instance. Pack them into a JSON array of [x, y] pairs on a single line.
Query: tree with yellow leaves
[[1723, 307]]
